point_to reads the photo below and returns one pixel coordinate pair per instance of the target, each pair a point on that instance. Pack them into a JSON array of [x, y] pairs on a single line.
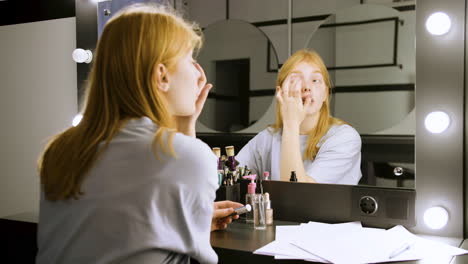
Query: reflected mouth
[[304, 99]]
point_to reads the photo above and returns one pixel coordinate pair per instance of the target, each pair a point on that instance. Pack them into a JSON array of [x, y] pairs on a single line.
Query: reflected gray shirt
[[338, 160], [136, 208]]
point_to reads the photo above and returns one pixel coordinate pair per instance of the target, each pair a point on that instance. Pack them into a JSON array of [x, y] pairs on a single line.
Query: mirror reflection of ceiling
[[370, 52], [241, 63]]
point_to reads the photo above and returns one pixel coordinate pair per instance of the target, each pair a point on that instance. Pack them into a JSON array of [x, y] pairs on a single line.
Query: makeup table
[[233, 245], [239, 240]]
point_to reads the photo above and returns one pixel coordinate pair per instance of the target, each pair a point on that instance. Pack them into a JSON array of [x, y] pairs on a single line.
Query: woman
[[124, 186], [305, 138]]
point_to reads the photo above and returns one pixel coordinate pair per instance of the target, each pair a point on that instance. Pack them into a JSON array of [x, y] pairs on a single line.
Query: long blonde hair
[[120, 86], [325, 119]]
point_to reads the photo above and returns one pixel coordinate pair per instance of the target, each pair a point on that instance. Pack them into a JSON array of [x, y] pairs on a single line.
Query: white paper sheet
[[369, 245], [283, 248], [351, 243]]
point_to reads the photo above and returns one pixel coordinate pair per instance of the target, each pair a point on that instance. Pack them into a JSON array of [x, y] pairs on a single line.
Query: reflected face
[[183, 86], [313, 86]]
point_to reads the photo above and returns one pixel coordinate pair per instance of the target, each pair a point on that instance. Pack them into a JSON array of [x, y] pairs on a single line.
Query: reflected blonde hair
[[325, 119], [120, 87]]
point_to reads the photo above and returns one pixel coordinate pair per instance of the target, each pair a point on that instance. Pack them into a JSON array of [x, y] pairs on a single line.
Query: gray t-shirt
[[136, 208], [338, 160]]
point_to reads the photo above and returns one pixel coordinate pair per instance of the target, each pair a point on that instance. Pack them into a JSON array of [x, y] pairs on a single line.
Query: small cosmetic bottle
[[293, 177], [231, 161], [268, 209], [217, 152]]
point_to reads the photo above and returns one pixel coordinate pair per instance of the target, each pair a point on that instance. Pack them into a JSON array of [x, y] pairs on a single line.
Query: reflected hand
[[222, 210], [290, 100]]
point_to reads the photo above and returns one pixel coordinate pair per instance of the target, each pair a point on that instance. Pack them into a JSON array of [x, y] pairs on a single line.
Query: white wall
[[38, 98]]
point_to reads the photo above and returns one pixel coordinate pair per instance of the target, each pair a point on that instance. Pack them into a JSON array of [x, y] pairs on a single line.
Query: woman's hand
[[290, 100], [221, 214], [186, 124]]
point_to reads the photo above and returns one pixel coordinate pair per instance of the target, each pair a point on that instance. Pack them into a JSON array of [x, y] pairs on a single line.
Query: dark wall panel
[[26, 11]]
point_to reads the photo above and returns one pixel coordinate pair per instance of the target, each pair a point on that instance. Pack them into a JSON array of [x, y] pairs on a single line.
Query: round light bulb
[[77, 119], [81, 55], [438, 23], [436, 217], [437, 122]]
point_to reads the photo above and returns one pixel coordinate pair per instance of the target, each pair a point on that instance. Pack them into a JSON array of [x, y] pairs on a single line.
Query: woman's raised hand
[[186, 124], [289, 98], [204, 88]]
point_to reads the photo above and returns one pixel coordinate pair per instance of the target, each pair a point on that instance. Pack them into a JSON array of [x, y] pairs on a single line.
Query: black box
[[230, 192]]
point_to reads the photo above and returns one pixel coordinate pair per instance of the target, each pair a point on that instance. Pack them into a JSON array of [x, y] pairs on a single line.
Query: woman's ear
[[161, 77]]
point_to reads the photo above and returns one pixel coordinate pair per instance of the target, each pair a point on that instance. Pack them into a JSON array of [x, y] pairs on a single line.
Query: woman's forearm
[[291, 158]]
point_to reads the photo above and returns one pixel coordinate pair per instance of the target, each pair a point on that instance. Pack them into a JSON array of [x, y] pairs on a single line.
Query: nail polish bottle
[[293, 177]]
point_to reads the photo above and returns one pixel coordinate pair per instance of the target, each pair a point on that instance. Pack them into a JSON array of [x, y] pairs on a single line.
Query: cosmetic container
[[217, 152], [228, 192], [250, 197], [231, 162], [259, 212], [268, 209]]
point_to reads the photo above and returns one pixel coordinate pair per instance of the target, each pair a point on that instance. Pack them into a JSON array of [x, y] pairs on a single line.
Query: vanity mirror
[[369, 51], [440, 70]]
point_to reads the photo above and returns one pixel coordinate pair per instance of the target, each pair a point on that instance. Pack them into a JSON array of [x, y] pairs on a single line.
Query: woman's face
[[313, 85], [183, 86]]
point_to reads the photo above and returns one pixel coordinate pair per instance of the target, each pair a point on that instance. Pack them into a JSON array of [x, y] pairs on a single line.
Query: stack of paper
[[351, 243]]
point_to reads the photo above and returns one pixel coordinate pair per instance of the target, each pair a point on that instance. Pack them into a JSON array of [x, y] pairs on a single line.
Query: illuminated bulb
[[438, 23], [436, 217], [77, 119], [437, 122], [81, 55]]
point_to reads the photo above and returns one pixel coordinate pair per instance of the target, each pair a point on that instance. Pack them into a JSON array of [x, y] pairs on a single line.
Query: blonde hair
[[120, 86], [325, 119]]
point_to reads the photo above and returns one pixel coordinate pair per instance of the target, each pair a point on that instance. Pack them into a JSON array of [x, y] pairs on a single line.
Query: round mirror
[[369, 51], [241, 63]]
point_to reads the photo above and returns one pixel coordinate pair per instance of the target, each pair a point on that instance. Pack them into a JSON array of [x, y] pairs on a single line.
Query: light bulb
[[77, 119], [81, 55], [436, 217], [438, 23], [437, 122]]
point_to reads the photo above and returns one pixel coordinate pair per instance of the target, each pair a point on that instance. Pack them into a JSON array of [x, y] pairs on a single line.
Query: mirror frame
[[440, 87]]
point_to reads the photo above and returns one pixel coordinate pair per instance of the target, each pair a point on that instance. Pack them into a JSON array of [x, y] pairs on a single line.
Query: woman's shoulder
[[191, 147], [266, 135], [341, 133], [344, 129]]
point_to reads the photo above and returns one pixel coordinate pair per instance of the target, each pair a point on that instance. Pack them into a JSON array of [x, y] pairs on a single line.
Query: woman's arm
[[291, 158], [292, 112]]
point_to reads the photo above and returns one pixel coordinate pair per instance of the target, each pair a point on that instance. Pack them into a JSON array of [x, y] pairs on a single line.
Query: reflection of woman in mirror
[[305, 138], [130, 183]]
